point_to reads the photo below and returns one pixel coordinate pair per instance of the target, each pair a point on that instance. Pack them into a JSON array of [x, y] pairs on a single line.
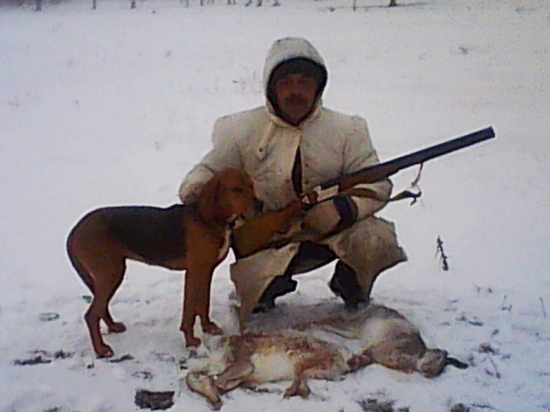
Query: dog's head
[[228, 196]]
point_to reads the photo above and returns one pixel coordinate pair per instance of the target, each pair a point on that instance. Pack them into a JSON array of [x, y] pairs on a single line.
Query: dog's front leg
[[190, 309], [204, 308], [196, 302]]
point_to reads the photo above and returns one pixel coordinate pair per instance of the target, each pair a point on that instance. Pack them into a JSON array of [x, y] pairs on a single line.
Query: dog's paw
[[104, 351], [192, 342], [117, 327]]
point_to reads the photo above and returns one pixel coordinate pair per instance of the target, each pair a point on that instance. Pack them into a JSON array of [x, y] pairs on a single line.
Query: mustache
[[295, 99]]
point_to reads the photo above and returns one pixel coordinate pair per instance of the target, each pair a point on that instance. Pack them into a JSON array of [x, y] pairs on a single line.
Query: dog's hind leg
[[75, 261], [114, 327], [107, 282]]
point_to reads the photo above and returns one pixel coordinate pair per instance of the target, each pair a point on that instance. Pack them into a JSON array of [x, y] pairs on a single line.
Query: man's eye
[[283, 83], [308, 82]]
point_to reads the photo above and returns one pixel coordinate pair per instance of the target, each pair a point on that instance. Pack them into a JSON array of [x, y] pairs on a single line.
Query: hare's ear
[[209, 199], [456, 363]]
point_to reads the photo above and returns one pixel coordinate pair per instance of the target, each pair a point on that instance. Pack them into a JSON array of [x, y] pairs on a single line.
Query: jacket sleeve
[[359, 153], [224, 154]]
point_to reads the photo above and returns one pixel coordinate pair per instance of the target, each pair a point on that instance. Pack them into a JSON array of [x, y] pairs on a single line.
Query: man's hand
[[282, 220], [192, 193], [330, 216], [258, 233]]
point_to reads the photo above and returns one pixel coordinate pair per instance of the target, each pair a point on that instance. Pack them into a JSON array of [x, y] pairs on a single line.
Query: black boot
[[310, 256], [344, 284], [280, 286]]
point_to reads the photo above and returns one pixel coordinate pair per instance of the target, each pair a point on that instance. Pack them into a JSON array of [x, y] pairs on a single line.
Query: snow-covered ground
[[114, 106]]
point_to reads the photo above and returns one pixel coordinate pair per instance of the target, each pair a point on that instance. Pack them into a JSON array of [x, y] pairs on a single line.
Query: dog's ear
[[209, 199]]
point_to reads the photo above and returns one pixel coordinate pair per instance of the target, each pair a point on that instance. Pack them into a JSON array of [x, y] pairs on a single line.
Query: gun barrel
[[380, 171]]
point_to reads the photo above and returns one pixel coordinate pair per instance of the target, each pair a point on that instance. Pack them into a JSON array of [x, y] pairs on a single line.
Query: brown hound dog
[[191, 237]]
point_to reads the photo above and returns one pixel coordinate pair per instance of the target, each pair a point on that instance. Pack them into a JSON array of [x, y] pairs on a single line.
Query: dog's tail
[[80, 269]]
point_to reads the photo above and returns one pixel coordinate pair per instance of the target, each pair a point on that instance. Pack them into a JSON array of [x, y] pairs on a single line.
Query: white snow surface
[[114, 106]]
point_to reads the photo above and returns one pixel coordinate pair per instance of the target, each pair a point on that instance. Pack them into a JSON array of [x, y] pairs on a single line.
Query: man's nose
[[296, 88]]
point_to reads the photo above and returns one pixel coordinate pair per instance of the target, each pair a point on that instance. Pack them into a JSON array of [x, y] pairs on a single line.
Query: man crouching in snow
[[288, 147]]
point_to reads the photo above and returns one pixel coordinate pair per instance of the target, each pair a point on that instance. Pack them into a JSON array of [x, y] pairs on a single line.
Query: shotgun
[[257, 233], [381, 171]]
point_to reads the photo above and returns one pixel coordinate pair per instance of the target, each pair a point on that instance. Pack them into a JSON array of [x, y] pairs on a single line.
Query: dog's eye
[[238, 190]]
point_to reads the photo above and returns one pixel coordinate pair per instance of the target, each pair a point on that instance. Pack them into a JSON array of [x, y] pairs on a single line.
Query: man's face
[[295, 95]]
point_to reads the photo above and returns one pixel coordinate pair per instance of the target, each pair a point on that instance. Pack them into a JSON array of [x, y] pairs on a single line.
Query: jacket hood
[[290, 48]]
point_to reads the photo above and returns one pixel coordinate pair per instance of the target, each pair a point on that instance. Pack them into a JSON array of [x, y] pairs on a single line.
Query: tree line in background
[[39, 3]]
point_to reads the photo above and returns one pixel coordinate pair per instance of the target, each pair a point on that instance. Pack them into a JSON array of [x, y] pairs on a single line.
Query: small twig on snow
[[488, 350], [496, 372], [443, 257], [507, 307], [543, 309], [483, 406]]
